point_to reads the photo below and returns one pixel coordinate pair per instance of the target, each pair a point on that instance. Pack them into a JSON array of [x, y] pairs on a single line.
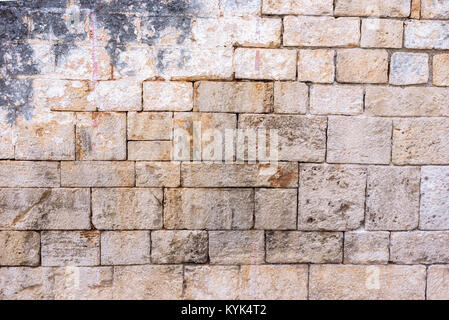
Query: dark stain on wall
[[16, 98]]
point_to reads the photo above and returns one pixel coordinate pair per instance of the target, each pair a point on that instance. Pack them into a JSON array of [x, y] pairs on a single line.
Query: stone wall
[[96, 202]]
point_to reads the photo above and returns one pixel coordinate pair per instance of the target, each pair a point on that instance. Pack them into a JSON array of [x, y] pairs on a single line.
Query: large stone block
[[316, 65], [19, 248], [158, 174], [383, 8], [125, 247], [409, 68], [366, 247], [150, 125], [336, 99], [25, 174], [382, 33], [362, 66], [300, 7], [167, 96], [434, 198], [275, 209], [236, 247], [426, 34], [290, 97], [437, 284]]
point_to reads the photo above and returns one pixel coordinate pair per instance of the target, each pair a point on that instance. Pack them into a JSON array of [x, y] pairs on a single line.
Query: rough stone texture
[[211, 282], [434, 9], [97, 174], [371, 144], [420, 141], [290, 97], [125, 247], [300, 7], [384, 8], [19, 248], [120, 95], [392, 201], [265, 64], [235, 97], [362, 66], [382, 33], [167, 96], [275, 209], [409, 68], [179, 246], [434, 198], [149, 282], [419, 247], [70, 248], [127, 208], [331, 197], [150, 150], [316, 66], [304, 247], [211, 209], [236, 247], [24, 283], [281, 175], [349, 282], [437, 283], [44, 209], [150, 125], [158, 174], [366, 247], [300, 138], [321, 31], [275, 282], [337, 100], [426, 34], [101, 136], [441, 70], [28, 174], [406, 102]]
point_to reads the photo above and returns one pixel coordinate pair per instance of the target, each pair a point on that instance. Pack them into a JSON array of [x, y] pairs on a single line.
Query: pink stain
[[94, 58]]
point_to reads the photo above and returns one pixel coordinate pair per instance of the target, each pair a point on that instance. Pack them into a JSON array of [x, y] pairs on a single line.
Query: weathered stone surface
[[179, 246], [136, 61], [265, 64], [273, 282], [304, 247], [125, 247], [416, 9], [437, 284], [236, 247], [150, 125], [392, 201], [237, 31], [24, 283], [301, 7], [426, 34], [420, 141], [409, 68], [290, 97], [82, 283], [36, 138], [331, 197], [362, 66], [238, 97], [382, 33], [97, 174], [237, 8], [84, 63], [441, 70], [419, 247], [366, 247], [434, 199], [27, 174], [19, 248], [192, 130], [126, 208], [350, 282], [336, 99], [383, 8], [149, 282], [371, 144], [211, 209], [321, 31], [150, 150], [119, 95], [44, 209], [211, 282], [63, 95], [406, 102], [70, 248], [316, 65], [301, 138], [101, 136], [434, 9], [7, 134], [167, 96], [158, 174], [281, 175], [275, 209]]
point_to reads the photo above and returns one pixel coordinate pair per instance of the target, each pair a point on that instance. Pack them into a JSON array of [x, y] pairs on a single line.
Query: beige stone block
[[362, 66], [426, 34], [26, 174], [301, 7], [211, 209], [236, 247], [434, 204], [275, 209], [438, 283], [118, 95], [150, 150], [336, 99], [125, 247], [316, 65], [331, 197], [158, 174], [434, 9], [127, 208], [383, 8], [409, 68], [441, 70], [167, 96], [150, 125], [382, 33], [25, 283], [290, 97], [366, 247], [19, 248]]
